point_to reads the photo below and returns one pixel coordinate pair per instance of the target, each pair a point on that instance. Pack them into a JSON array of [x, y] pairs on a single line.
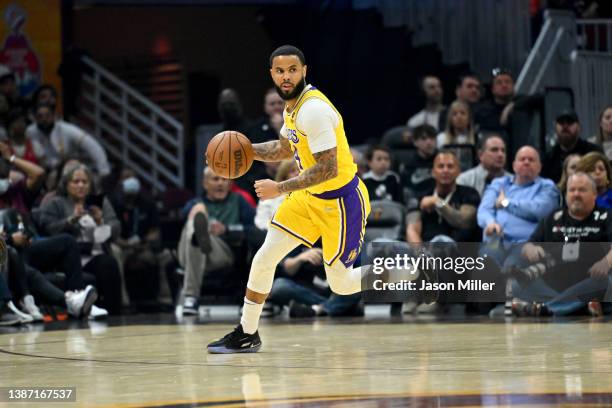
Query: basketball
[[230, 154]]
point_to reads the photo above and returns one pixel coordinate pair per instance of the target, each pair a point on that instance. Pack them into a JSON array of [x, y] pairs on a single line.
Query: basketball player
[[325, 200]]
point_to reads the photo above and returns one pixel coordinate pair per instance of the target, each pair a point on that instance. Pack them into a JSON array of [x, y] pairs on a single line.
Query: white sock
[[250, 316]]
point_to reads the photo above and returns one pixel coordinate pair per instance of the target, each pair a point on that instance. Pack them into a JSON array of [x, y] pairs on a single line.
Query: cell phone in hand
[[96, 200]]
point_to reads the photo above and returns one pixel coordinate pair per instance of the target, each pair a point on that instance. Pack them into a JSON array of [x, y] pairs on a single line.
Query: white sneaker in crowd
[[30, 308], [80, 302], [97, 313], [190, 306], [23, 317]]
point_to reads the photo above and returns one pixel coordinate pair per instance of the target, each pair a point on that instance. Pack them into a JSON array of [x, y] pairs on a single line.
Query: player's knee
[[262, 272]]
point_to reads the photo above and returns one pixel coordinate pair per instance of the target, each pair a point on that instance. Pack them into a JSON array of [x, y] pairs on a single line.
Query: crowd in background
[[81, 246]]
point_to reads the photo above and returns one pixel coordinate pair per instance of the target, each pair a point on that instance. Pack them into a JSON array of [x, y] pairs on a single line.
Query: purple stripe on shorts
[[348, 188], [354, 223], [342, 238]]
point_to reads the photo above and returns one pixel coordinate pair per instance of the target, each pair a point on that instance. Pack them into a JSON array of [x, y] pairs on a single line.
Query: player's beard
[[299, 87]]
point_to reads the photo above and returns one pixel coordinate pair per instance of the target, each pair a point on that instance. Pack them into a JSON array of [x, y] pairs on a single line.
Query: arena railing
[[594, 35], [133, 129]]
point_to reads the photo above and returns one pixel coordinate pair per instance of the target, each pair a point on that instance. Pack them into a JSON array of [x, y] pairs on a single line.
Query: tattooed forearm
[[464, 217], [325, 169], [275, 150]]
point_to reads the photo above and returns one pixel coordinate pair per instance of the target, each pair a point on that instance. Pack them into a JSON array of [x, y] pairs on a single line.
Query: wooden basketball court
[[372, 361]]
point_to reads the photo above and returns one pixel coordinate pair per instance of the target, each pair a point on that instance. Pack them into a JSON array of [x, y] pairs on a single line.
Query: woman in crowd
[[604, 135], [569, 168], [91, 219], [459, 130], [598, 166]]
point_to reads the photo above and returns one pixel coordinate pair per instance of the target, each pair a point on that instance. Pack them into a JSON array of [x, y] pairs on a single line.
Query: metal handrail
[[121, 116], [589, 35]]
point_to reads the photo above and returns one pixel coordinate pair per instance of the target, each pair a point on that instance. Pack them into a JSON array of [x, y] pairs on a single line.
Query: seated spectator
[[268, 126], [20, 145], [493, 115], [459, 130], [140, 238], [567, 133], [597, 165], [10, 91], [62, 140], [30, 283], [43, 254], [45, 94], [569, 168], [416, 174], [603, 137], [77, 211], [362, 165], [264, 129], [209, 234], [512, 206], [468, 90], [447, 209], [299, 285], [381, 182], [492, 157], [430, 115], [574, 280]]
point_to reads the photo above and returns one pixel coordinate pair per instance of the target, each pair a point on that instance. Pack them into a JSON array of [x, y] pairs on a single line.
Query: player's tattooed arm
[[273, 151], [325, 169]]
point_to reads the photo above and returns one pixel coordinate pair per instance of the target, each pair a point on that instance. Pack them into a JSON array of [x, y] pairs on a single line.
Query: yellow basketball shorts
[[338, 217]]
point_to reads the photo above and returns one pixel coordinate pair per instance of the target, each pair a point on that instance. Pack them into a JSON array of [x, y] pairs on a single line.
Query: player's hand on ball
[[266, 189]]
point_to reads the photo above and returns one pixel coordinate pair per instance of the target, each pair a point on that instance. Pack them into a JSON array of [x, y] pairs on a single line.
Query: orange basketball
[[230, 154]]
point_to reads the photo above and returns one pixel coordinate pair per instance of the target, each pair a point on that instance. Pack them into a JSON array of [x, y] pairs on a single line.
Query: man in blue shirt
[[511, 207]]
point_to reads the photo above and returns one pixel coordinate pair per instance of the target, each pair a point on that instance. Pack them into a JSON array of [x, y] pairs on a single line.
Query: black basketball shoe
[[236, 342]]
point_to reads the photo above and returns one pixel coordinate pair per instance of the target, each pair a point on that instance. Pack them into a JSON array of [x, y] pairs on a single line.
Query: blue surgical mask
[[4, 185], [131, 185]]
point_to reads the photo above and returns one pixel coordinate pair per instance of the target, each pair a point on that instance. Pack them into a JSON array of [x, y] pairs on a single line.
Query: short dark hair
[[484, 139], [288, 50], [372, 149], [423, 131], [446, 151], [40, 89], [465, 76]]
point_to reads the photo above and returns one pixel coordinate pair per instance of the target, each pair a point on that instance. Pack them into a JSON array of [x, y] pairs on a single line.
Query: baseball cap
[[567, 116]]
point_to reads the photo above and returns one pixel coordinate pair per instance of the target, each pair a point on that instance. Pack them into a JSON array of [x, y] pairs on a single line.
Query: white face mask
[[4, 185], [131, 185]]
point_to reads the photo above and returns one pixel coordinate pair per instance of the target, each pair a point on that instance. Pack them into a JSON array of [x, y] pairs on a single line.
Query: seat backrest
[[466, 154], [385, 220], [397, 136]]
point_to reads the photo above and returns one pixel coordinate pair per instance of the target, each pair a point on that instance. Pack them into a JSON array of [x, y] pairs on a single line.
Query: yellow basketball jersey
[[301, 151]]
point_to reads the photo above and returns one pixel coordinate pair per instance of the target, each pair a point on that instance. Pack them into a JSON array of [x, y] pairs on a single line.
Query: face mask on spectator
[[4, 185], [45, 128], [131, 185]]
